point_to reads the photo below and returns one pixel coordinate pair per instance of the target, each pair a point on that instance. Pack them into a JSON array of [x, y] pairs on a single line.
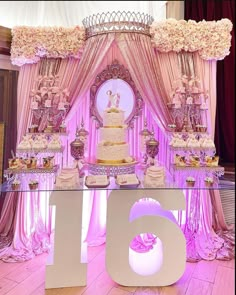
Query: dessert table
[[130, 213]]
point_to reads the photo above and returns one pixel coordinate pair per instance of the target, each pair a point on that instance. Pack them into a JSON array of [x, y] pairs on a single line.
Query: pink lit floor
[[204, 278]]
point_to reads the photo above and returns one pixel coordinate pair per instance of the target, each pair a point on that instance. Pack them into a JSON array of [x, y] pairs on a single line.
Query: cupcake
[[208, 181], [15, 185], [33, 184], [190, 181], [201, 128], [33, 129]]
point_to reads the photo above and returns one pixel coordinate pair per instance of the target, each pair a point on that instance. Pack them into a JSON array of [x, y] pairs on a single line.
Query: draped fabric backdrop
[[32, 235], [225, 113]]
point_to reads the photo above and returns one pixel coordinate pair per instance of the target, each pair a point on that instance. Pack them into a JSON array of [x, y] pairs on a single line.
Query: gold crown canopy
[[117, 22]]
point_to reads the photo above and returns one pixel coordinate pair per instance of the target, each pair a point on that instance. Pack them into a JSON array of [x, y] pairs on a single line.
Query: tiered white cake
[[112, 147]]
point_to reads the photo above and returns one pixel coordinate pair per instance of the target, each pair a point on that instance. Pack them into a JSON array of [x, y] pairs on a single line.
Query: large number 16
[[68, 269]]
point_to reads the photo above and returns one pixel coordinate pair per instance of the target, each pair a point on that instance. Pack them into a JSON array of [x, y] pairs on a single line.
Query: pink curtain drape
[[172, 66], [139, 56]]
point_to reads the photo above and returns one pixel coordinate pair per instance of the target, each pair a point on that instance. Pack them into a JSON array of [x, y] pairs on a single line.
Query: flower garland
[[29, 44], [211, 38]]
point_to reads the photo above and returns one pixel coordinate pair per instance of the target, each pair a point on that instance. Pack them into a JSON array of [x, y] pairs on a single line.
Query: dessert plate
[[93, 182]]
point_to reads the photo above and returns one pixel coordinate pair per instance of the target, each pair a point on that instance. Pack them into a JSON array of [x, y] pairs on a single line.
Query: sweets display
[[48, 162], [127, 180], [31, 163], [67, 179], [208, 181], [192, 141], [39, 142], [33, 128], [20, 163], [190, 181], [212, 161], [55, 142], [193, 160], [155, 176], [15, 185], [97, 181], [180, 160], [33, 184]]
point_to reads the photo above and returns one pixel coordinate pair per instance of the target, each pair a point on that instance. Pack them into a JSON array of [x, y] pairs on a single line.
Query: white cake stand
[[96, 168]]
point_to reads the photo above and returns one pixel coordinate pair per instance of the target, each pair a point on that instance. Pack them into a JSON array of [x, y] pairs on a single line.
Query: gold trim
[[113, 126], [110, 161], [110, 143], [95, 162]]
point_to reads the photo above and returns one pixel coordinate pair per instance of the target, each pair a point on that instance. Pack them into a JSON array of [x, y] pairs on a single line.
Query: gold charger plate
[[95, 162]]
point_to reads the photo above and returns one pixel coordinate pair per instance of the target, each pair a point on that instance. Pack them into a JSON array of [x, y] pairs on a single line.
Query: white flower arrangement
[[29, 44], [211, 38]]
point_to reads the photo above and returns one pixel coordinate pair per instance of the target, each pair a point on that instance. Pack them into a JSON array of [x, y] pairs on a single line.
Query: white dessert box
[[127, 180], [97, 181], [67, 179]]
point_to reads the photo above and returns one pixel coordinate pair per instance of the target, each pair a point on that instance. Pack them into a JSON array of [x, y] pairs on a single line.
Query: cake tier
[[113, 134], [113, 117], [113, 154]]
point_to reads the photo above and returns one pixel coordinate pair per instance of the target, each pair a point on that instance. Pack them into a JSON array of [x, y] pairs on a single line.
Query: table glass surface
[[43, 187]]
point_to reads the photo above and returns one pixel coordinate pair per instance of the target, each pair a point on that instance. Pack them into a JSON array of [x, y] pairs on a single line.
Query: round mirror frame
[[115, 71]]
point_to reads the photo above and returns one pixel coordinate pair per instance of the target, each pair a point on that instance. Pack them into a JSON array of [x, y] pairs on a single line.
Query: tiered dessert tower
[[192, 151], [40, 151]]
